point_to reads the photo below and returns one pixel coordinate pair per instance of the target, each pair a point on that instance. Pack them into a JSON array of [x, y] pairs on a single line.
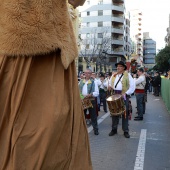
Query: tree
[[95, 46], [163, 59]]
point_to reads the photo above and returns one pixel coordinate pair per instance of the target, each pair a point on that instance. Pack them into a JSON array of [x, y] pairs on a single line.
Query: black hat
[[121, 63]]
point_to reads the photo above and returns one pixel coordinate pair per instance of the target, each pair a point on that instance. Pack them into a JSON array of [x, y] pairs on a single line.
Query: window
[[88, 24], [79, 14], [100, 13], [88, 13], [100, 2], [99, 46], [87, 35], [100, 24], [100, 35], [87, 46]]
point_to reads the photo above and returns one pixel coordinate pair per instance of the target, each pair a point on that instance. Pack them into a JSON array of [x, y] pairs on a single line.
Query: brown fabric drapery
[[42, 124]]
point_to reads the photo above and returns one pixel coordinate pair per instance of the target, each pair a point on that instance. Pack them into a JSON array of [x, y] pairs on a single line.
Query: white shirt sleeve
[[131, 85], [139, 80], [110, 80], [105, 84], [96, 90], [99, 82]]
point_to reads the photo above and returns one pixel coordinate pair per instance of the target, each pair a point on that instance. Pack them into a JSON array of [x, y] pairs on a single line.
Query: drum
[[116, 105], [86, 103]]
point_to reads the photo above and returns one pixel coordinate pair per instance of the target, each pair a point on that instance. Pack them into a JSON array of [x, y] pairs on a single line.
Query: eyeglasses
[[87, 72]]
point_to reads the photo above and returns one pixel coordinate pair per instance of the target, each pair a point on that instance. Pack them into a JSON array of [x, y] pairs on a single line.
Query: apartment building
[[136, 35], [104, 32], [149, 50]]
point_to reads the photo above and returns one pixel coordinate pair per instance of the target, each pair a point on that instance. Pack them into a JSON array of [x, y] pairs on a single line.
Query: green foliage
[[163, 59]]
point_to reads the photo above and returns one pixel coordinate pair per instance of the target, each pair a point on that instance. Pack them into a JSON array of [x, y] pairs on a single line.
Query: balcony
[[118, 1], [117, 9], [139, 44], [118, 41], [117, 19], [117, 51], [117, 30]]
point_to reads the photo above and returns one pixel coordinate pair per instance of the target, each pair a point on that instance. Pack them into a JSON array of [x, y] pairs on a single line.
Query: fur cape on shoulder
[[33, 27]]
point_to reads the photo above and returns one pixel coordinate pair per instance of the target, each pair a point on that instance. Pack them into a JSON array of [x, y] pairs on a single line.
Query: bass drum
[[116, 105]]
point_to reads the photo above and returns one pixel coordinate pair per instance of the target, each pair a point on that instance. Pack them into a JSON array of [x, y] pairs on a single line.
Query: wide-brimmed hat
[[121, 63]]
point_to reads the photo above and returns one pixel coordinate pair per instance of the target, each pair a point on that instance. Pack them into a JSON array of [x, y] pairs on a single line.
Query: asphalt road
[[148, 147]]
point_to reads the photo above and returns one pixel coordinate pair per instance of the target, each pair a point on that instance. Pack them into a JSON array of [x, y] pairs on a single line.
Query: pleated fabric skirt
[[42, 124]]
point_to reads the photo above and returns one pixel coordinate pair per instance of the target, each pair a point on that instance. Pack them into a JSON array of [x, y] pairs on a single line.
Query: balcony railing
[[117, 51], [117, 30], [118, 19], [117, 41]]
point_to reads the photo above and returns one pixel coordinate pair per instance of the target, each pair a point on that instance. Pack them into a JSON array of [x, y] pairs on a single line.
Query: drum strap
[[118, 80]]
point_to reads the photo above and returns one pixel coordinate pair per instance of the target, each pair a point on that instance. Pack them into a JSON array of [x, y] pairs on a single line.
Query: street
[[148, 147]]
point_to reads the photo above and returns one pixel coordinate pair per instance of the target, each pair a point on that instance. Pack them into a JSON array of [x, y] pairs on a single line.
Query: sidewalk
[[147, 149]]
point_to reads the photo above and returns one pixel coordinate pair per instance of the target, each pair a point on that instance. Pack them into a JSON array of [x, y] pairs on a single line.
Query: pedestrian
[[122, 83], [150, 83], [41, 122], [157, 83], [103, 91], [89, 89], [154, 83], [140, 93]]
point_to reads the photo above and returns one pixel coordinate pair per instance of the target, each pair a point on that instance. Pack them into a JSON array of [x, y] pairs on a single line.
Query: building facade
[[149, 50], [136, 35], [103, 33]]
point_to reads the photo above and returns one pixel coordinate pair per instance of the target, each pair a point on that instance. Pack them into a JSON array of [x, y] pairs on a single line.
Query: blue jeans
[[140, 104]]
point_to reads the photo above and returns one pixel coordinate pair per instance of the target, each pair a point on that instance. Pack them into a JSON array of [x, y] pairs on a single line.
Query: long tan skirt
[[42, 124]]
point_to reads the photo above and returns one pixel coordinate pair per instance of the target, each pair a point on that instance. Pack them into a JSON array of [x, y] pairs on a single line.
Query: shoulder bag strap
[[118, 80]]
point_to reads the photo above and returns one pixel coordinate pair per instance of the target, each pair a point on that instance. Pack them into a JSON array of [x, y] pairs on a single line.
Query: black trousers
[[125, 119], [102, 95]]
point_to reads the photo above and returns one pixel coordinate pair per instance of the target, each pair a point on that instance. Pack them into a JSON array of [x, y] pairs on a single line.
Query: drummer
[[89, 89], [122, 83]]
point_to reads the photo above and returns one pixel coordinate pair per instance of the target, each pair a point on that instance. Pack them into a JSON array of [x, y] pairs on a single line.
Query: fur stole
[[33, 27]]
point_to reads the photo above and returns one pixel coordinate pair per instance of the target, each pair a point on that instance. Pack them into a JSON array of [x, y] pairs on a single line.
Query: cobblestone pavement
[[148, 147]]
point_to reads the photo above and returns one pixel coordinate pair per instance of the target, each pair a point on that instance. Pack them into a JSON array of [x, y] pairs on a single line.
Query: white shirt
[[104, 84], [119, 85], [138, 82], [85, 92], [97, 81]]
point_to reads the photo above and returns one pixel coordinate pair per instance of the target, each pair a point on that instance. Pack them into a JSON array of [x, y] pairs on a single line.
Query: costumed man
[[103, 91], [122, 83], [89, 89], [140, 93], [41, 119]]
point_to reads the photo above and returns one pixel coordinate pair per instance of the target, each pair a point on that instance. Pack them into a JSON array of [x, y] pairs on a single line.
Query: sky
[[155, 18]]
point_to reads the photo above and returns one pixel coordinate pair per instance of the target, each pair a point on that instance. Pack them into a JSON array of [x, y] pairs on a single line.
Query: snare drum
[[116, 105]]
